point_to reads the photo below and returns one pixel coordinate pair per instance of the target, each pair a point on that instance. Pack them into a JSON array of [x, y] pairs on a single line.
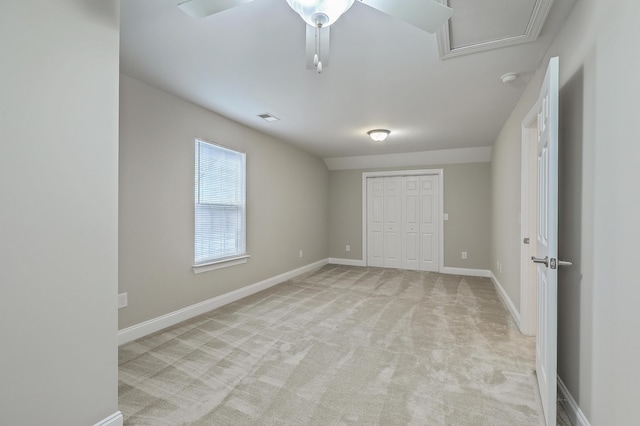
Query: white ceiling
[[383, 73]]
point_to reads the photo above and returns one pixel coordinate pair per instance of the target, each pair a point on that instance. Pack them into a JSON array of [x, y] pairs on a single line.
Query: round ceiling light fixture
[[509, 77], [378, 135]]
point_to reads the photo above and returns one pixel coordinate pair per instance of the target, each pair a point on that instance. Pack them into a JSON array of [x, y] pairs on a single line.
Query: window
[[219, 205]]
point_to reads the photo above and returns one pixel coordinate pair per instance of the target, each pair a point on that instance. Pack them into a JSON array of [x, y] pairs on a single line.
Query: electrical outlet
[[445, 216], [300, 253], [123, 300], [347, 248], [464, 254]]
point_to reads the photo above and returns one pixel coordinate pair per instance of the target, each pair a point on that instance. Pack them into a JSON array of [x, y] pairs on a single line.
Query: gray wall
[[598, 339], [287, 204], [467, 200], [58, 211]]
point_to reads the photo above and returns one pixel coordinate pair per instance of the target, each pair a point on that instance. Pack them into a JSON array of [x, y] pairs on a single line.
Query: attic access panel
[[490, 24]]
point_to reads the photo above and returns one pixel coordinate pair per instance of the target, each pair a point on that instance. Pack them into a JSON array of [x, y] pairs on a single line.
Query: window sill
[[219, 264]]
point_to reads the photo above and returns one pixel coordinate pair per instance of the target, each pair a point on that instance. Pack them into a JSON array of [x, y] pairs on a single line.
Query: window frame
[[222, 261]]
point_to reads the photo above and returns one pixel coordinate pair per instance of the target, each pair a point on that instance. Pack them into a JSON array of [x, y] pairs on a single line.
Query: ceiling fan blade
[[202, 8], [428, 15], [311, 46]]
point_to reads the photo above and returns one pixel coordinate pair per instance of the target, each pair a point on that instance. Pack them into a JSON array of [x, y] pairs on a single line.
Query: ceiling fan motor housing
[[310, 11], [319, 19]]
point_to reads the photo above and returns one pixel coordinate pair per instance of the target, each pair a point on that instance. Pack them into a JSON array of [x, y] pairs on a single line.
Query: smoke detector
[[268, 117]]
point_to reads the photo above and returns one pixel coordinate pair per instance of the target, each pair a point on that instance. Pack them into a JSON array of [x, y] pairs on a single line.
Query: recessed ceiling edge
[[536, 22]]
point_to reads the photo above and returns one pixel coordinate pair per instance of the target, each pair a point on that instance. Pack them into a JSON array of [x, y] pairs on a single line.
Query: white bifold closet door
[[384, 204], [392, 236], [402, 222], [419, 221], [375, 221]]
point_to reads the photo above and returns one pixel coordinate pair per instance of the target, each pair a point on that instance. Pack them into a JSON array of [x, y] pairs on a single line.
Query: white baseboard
[[572, 409], [466, 271], [446, 270], [506, 300], [115, 419], [347, 262], [156, 324]]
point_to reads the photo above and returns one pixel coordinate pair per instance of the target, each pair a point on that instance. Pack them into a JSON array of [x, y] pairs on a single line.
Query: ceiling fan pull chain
[[316, 57]]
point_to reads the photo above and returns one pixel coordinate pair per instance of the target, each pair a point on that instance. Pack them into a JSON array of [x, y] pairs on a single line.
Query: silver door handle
[[544, 261], [564, 263]]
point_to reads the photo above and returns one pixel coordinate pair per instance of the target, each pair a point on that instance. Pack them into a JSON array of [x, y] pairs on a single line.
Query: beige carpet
[[342, 346]]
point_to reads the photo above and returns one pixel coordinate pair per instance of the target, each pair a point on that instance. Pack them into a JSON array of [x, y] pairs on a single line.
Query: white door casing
[[547, 241]]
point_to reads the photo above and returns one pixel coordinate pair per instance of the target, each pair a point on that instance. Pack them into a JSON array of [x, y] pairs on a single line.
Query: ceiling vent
[[490, 24], [268, 117]]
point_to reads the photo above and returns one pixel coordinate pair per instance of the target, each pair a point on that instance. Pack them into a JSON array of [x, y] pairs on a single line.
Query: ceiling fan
[[427, 15]]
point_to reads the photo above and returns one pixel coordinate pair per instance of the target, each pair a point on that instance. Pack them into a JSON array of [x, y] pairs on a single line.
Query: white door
[[546, 258], [429, 223], [375, 221], [403, 221], [411, 222], [392, 228]]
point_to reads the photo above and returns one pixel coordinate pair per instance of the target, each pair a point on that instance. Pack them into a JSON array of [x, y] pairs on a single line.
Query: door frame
[[528, 205], [440, 173]]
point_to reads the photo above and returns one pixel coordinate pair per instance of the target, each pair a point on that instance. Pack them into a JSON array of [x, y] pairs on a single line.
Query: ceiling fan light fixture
[[324, 12], [378, 135]]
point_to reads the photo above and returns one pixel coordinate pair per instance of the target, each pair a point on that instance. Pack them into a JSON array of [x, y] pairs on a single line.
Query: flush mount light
[[509, 77], [378, 135]]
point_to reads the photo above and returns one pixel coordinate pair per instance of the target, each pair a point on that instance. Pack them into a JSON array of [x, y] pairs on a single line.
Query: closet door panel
[[429, 199], [411, 222], [375, 221], [392, 222]]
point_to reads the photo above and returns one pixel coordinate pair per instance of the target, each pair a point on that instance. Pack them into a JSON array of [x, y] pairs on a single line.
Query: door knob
[[544, 261], [556, 262]]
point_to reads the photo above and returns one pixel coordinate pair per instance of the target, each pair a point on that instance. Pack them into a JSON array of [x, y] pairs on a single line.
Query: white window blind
[[219, 203]]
